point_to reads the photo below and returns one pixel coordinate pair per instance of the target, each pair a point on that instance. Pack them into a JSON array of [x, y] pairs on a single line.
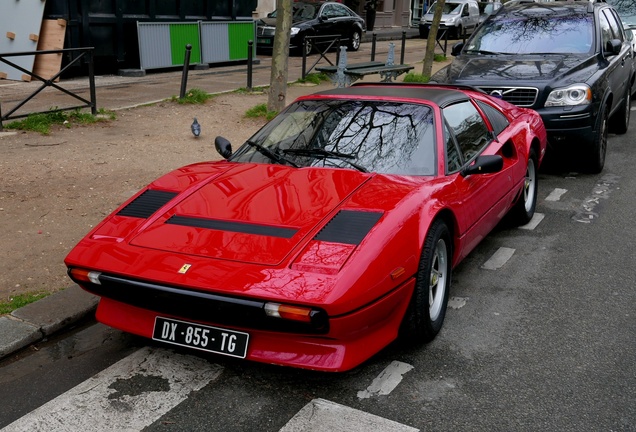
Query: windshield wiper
[[483, 52], [270, 154], [326, 153]]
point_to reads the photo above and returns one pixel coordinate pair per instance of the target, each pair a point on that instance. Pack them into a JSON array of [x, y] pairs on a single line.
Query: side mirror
[[457, 48], [484, 165], [223, 147], [613, 47]]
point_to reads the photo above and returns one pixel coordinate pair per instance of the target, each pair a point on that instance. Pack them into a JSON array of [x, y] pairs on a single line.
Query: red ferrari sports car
[[327, 235]]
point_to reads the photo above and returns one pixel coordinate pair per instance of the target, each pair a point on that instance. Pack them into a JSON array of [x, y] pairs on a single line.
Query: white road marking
[[457, 302], [384, 383], [111, 400], [498, 259], [602, 191], [323, 415], [536, 220], [556, 194]]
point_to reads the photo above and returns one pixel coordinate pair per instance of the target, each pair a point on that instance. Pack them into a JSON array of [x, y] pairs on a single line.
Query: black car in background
[[570, 61], [323, 21]]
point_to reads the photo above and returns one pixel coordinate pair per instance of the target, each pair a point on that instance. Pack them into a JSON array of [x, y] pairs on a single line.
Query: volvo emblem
[[497, 93]]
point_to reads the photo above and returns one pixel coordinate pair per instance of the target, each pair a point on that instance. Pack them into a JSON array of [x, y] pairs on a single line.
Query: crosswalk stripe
[[111, 400], [324, 415]]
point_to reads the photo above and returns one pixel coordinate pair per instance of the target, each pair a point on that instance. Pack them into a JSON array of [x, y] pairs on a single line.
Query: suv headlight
[[578, 94], [294, 31]]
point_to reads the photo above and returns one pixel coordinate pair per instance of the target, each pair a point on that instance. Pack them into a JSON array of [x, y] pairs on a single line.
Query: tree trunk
[[280, 57], [429, 55]]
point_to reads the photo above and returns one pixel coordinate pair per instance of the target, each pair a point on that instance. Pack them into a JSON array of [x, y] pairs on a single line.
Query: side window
[[606, 31], [338, 11], [465, 10], [328, 11], [453, 157], [468, 127], [614, 25], [498, 121]]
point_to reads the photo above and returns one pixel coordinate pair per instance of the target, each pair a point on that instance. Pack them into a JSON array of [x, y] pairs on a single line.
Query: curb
[[38, 320]]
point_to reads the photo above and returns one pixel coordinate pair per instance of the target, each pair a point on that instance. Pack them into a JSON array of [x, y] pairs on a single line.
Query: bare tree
[[280, 56], [429, 55]]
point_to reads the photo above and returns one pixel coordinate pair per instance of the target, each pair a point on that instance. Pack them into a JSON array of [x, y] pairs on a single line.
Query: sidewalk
[[58, 311]]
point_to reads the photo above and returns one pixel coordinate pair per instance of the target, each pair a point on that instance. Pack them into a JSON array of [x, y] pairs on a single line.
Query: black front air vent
[[147, 203], [348, 227], [239, 227]]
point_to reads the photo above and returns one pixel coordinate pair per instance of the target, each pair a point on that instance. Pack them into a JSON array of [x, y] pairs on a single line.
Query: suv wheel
[[620, 120], [598, 146]]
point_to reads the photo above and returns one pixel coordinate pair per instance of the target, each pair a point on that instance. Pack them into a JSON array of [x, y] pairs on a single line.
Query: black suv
[[570, 61]]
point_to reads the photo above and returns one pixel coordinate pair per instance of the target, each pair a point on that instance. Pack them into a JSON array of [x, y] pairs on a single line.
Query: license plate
[[201, 337], [264, 41]]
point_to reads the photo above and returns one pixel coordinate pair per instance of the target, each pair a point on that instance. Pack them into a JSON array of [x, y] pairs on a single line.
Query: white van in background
[[458, 16]]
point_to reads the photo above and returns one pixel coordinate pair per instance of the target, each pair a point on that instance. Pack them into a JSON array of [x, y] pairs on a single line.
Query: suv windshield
[[534, 33]]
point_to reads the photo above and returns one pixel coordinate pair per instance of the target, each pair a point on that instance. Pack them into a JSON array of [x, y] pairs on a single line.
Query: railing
[[50, 82]]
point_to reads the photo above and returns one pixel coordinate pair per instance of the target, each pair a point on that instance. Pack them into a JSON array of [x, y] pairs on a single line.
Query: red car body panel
[[363, 288]]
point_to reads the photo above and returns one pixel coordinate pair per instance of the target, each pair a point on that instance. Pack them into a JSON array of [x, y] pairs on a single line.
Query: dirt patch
[[55, 188]]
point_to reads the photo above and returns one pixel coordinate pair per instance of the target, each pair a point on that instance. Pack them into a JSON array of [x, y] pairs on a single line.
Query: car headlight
[[294, 31], [579, 94]]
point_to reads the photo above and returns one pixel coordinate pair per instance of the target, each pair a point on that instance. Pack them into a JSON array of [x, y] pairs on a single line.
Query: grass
[[260, 110], [19, 300], [439, 57], [194, 96], [313, 78], [413, 77], [42, 122]]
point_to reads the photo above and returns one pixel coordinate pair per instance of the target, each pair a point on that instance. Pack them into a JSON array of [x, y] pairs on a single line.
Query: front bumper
[[569, 124], [352, 338]]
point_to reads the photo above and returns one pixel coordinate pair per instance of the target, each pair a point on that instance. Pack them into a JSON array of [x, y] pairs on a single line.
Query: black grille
[[201, 306], [348, 227], [147, 203], [520, 96]]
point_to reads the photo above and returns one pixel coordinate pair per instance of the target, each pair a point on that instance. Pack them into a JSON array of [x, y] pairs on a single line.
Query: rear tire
[[620, 120], [427, 309]]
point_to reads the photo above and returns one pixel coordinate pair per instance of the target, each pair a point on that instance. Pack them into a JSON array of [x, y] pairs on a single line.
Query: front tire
[[427, 309], [598, 147], [523, 211], [354, 42]]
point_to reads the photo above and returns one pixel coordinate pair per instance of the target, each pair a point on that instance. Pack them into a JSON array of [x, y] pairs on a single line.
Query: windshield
[[535, 34], [383, 137], [449, 8], [301, 12]]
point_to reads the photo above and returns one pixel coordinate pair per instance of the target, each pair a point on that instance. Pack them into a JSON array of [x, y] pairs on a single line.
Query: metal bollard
[[184, 75], [403, 47], [250, 49], [374, 39]]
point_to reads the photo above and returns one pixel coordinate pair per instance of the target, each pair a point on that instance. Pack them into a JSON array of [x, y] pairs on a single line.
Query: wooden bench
[[344, 74]]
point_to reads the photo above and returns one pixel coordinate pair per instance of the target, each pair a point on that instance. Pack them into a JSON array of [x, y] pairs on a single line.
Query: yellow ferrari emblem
[[185, 268]]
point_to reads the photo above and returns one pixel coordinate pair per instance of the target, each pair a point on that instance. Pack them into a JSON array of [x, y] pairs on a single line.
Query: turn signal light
[[294, 313], [83, 275]]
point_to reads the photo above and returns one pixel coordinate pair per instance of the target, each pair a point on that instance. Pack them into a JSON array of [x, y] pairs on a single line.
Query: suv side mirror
[[613, 47]]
